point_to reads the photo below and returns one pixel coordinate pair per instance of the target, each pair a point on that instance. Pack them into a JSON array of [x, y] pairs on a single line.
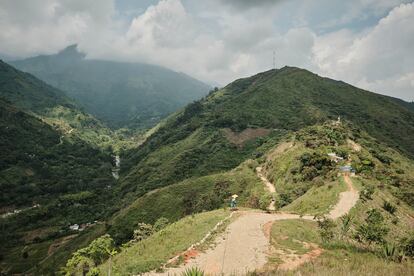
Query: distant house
[[335, 157], [74, 227], [346, 168]]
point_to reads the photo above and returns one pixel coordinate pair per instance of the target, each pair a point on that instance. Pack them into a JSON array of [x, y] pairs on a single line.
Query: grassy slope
[[337, 258], [317, 200], [192, 195], [191, 143], [149, 254]]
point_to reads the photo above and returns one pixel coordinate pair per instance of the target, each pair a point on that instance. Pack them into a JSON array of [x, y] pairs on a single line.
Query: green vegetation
[[290, 235], [193, 272], [151, 253], [61, 158], [120, 94], [190, 196], [318, 200], [85, 260], [54, 170]]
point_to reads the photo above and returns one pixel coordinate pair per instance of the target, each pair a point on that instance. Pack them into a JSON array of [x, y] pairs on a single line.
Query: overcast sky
[[368, 43]]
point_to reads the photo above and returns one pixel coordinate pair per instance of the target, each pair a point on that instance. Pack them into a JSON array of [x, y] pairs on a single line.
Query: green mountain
[[285, 121], [53, 168], [52, 106], [47, 182], [244, 120], [228, 126], [120, 94]]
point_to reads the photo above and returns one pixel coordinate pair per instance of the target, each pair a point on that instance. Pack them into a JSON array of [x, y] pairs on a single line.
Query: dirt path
[[269, 185], [245, 245], [347, 200], [242, 248]]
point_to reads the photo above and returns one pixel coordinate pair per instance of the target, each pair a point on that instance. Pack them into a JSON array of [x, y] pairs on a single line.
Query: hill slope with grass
[[308, 180], [120, 94], [230, 125]]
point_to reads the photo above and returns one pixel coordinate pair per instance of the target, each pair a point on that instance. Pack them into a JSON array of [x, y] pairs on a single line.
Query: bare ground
[[246, 135]]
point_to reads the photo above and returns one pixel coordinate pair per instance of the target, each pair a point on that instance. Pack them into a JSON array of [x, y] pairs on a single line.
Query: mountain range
[[118, 93], [57, 170]]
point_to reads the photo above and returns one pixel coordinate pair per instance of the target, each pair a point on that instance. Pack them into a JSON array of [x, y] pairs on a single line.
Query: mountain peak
[[71, 51]]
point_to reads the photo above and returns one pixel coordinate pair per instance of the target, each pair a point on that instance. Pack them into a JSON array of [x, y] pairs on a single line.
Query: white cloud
[[380, 58], [43, 26], [219, 42]]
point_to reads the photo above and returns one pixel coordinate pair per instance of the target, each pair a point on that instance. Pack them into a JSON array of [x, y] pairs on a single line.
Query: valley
[[155, 200]]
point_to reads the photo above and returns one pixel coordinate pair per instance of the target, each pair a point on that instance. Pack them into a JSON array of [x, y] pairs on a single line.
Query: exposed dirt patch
[[248, 134], [356, 147], [54, 246], [293, 261], [190, 254]]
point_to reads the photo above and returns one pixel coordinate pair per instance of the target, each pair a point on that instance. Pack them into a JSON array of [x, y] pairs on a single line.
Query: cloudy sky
[[368, 43]]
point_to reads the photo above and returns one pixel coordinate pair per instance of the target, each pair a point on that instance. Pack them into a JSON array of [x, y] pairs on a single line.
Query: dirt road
[[244, 246], [347, 200]]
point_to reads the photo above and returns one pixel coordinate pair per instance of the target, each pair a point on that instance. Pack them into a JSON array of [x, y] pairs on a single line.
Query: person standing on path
[[233, 202]]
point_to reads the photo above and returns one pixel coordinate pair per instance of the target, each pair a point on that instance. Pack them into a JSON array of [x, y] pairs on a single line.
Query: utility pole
[[274, 59]]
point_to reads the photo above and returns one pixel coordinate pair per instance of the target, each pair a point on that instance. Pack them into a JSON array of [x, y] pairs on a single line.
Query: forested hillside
[[228, 126], [120, 94]]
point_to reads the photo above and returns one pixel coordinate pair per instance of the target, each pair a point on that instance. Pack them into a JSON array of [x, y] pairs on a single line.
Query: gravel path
[[244, 246], [347, 200]]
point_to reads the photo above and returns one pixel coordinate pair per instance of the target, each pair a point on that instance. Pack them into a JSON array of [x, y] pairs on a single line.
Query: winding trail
[[245, 245], [269, 185], [347, 200]]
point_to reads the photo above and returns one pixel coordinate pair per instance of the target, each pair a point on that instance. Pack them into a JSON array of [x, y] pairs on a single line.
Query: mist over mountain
[[120, 94]]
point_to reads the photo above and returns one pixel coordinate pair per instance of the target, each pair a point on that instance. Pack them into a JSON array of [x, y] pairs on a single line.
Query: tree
[[373, 229], [85, 260], [326, 229], [143, 231]]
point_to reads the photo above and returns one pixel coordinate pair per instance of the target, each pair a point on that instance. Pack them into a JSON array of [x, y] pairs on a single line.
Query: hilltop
[[229, 125], [120, 94]]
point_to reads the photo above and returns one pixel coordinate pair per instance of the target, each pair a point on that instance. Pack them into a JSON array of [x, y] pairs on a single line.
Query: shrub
[[373, 229], [367, 192], [25, 255], [264, 201], [161, 223], [389, 207], [143, 231], [326, 229], [194, 271], [389, 251], [346, 221], [86, 259], [407, 245], [253, 201], [283, 200]]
